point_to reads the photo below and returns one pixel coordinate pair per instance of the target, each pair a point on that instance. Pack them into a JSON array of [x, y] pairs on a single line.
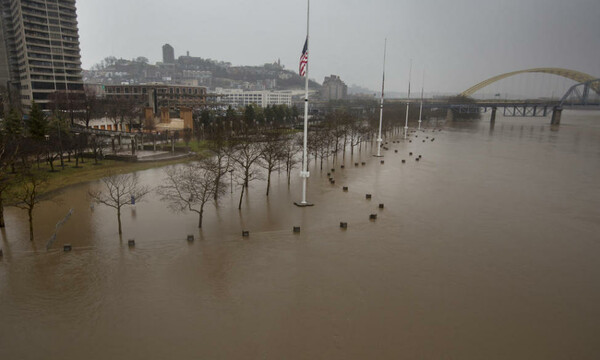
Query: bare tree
[[290, 150], [91, 106], [247, 155], [222, 149], [190, 187], [120, 190], [27, 193], [96, 145], [272, 151]]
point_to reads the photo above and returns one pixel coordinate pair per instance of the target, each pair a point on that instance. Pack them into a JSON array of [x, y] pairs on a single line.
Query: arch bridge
[[574, 75]]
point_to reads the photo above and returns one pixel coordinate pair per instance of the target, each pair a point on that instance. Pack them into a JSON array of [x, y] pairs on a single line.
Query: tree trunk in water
[[268, 181], [30, 213], [2, 212], [217, 182], [241, 196], [200, 216], [119, 219]]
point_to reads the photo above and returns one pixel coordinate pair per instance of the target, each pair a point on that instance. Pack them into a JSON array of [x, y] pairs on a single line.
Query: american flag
[[304, 59]]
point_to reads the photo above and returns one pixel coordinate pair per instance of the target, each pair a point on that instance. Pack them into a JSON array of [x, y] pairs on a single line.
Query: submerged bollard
[[245, 233], [345, 188], [296, 229], [403, 161], [396, 150], [368, 196], [432, 139], [373, 217], [423, 140], [67, 247], [364, 163], [131, 243], [381, 206], [383, 162], [416, 159], [332, 170], [409, 154], [355, 164], [332, 181], [409, 140], [190, 238], [328, 174], [344, 225], [342, 166]]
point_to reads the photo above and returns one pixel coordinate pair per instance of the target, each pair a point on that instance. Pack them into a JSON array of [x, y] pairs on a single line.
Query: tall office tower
[[168, 54], [39, 49]]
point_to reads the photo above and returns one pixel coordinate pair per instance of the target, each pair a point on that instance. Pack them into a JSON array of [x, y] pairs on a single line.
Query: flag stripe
[[304, 59]]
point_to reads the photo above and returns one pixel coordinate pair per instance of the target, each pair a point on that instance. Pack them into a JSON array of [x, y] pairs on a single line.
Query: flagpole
[[304, 174], [421, 107], [379, 139], [407, 101]]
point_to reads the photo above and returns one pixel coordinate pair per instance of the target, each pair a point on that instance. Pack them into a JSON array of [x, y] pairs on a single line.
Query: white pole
[[421, 108], [407, 102], [305, 174], [379, 139]]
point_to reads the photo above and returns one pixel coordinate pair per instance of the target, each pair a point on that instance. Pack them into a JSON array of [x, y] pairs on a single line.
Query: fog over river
[[487, 248]]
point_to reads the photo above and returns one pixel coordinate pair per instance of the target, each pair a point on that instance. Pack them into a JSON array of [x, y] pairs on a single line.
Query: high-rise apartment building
[[334, 88], [39, 49], [168, 54]]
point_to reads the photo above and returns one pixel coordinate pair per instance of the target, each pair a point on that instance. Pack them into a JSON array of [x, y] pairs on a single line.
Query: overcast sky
[[458, 42]]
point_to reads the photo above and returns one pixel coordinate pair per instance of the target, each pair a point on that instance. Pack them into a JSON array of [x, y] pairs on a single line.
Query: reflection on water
[[487, 248]]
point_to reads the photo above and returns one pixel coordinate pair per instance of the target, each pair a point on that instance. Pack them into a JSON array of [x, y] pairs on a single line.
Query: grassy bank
[[88, 171]]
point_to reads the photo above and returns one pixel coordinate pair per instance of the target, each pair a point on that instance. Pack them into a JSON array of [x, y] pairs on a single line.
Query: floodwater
[[487, 248]]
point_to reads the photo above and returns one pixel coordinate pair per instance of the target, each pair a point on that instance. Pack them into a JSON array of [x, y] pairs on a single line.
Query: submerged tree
[[119, 190], [272, 151], [246, 157], [190, 187], [27, 193]]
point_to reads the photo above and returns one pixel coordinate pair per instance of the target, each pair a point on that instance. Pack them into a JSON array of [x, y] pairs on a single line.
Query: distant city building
[[39, 49], [168, 54], [334, 88], [160, 95], [238, 97]]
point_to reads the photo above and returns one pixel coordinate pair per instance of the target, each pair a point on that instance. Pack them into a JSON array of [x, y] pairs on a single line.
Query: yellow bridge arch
[[569, 74]]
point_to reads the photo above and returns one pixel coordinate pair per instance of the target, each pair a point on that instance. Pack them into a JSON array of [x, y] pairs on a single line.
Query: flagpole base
[[301, 204]]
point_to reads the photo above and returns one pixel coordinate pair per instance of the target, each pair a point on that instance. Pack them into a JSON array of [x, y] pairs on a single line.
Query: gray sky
[[458, 42]]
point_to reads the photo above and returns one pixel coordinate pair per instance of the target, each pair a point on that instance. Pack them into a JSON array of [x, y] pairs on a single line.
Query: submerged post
[[493, 118]]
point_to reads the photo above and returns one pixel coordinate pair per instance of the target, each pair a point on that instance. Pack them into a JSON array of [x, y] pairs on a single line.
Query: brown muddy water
[[487, 248]]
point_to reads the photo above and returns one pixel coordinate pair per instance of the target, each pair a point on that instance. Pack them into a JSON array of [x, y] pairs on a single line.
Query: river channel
[[486, 248]]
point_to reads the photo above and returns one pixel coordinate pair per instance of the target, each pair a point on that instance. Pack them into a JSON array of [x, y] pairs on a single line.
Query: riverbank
[[90, 170]]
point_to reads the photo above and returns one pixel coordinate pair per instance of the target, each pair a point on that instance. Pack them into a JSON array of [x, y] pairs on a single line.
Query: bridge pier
[[493, 118], [449, 115], [556, 115]]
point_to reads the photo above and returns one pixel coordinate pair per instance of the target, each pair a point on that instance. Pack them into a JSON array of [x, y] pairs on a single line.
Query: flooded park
[[486, 247]]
